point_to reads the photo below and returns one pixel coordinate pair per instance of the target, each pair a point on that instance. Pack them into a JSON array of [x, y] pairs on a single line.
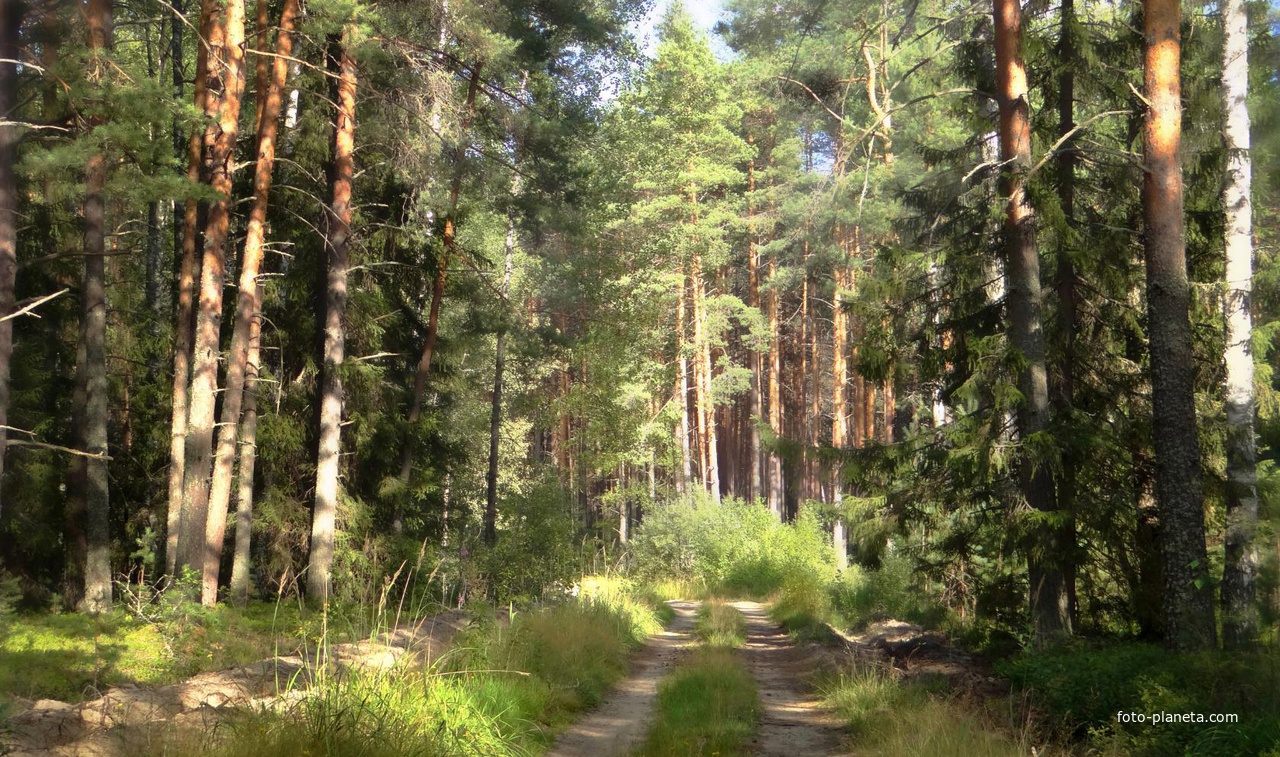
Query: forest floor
[[104, 725], [795, 716]]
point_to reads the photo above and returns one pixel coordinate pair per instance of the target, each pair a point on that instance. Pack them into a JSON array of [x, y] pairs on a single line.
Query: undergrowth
[[894, 718], [502, 690]]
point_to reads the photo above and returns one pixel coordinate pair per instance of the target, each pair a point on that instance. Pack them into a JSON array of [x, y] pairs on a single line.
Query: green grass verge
[[708, 706], [892, 718]]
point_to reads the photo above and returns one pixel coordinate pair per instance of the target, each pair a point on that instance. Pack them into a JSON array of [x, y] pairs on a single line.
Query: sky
[[705, 14]]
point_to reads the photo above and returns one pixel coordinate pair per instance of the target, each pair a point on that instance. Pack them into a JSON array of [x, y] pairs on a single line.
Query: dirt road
[[621, 722], [793, 722]]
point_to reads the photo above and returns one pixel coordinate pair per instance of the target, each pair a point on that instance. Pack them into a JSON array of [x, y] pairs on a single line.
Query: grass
[[892, 718], [502, 690], [72, 657], [721, 625], [707, 706]]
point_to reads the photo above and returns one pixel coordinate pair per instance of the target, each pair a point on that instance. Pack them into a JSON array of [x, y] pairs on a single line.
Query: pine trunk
[[224, 90], [1050, 608], [246, 303], [682, 392], [11, 13], [188, 273], [499, 364], [776, 489], [240, 562], [1188, 595], [92, 378], [324, 514], [1240, 565], [757, 358], [1066, 290]]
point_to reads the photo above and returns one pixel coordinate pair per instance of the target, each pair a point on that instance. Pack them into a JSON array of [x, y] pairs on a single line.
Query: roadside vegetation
[[505, 689]]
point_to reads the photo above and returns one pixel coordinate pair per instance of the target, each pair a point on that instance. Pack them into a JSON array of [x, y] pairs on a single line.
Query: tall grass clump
[[721, 625], [894, 718], [733, 546], [503, 689]]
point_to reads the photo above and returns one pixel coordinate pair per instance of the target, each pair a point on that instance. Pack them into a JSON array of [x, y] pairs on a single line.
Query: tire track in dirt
[[793, 722], [619, 725]]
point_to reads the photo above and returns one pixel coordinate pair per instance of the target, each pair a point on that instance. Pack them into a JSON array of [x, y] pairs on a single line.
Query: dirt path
[[793, 723], [620, 724]]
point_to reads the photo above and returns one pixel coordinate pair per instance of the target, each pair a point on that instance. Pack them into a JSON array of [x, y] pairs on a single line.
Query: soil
[[793, 722]]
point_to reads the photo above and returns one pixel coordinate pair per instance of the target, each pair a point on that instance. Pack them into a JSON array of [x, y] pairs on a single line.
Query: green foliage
[[893, 590], [537, 548], [733, 546], [707, 706], [1084, 689]]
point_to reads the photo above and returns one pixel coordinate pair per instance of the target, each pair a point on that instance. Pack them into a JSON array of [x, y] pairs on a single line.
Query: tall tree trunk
[[839, 406], [437, 286], [1240, 565], [248, 458], [706, 400], [1050, 608], [188, 274], [324, 516], [246, 304], [682, 390], [11, 13], [92, 376], [1188, 596], [776, 488], [499, 364], [223, 90], [757, 358], [1066, 289]]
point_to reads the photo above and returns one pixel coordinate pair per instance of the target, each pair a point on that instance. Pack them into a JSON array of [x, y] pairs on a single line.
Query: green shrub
[[733, 546], [1084, 688], [863, 596]]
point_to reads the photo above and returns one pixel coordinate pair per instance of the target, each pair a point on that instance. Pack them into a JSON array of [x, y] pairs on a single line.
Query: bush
[[733, 546], [863, 596], [1083, 688]]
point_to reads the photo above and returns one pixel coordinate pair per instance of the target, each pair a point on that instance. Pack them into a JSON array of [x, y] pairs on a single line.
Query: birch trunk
[[1240, 566]]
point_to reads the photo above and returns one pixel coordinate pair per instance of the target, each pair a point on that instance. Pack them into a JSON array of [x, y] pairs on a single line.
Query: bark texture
[[324, 516], [11, 14], [184, 327], [224, 89], [1188, 596], [1050, 608], [1240, 566], [246, 305], [92, 377]]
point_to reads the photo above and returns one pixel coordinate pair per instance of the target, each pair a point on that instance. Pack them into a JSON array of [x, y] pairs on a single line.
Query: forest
[[413, 377]]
